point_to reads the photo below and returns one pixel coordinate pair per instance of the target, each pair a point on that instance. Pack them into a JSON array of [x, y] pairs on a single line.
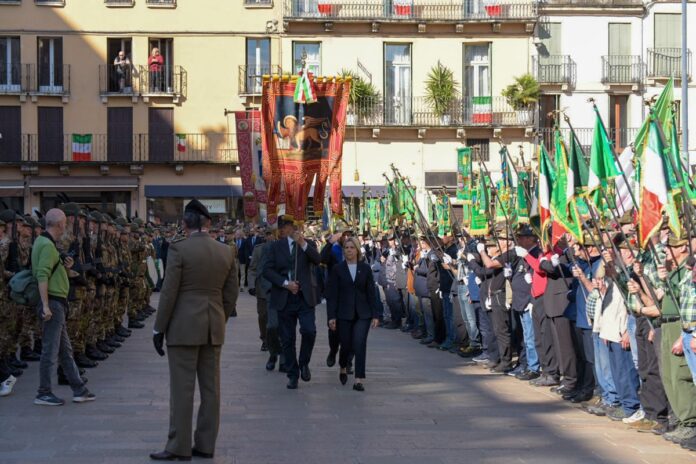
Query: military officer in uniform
[[198, 295]]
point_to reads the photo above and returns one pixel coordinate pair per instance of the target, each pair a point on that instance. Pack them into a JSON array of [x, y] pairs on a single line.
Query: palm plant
[[441, 89], [364, 96], [523, 93]]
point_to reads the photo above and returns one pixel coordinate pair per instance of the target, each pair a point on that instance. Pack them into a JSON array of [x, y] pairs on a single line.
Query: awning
[[70, 183], [11, 188], [190, 191]]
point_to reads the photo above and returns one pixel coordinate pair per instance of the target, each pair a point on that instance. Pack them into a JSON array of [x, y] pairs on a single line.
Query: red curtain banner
[[302, 142], [250, 160]]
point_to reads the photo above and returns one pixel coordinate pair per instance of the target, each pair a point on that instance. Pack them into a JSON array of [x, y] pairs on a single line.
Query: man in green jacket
[[52, 277]]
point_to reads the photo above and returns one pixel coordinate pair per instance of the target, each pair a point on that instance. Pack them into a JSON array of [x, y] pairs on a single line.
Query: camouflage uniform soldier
[[135, 318], [95, 290], [6, 321], [22, 314]]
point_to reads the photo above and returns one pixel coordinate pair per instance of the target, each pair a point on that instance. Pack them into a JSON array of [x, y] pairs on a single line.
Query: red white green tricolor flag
[[482, 113], [82, 147], [181, 143], [546, 180], [653, 186]]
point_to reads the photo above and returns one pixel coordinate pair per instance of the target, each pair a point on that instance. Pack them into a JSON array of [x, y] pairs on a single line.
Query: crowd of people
[[604, 325], [107, 291]]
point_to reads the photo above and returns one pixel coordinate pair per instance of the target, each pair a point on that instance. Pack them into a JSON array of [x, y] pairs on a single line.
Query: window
[[667, 30], [483, 148], [119, 62], [397, 83], [618, 106], [311, 52], [10, 67], [50, 51], [160, 75], [258, 63], [477, 70]]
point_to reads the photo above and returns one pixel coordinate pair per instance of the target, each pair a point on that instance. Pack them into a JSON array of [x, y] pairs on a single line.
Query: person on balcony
[[155, 64], [122, 71]]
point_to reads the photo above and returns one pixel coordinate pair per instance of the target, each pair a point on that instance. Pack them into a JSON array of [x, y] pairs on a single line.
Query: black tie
[[293, 259]]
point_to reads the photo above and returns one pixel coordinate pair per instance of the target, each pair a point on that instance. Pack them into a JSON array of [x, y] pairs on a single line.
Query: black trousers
[[296, 310], [488, 340], [395, 302], [262, 313], [652, 392], [500, 316], [584, 347], [353, 335], [565, 351], [518, 337], [543, 339], [438, 318]]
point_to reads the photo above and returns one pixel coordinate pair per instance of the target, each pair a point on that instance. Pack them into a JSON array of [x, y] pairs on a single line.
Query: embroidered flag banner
[[82, 147], [464, 174], [250, 160], [301, 142]]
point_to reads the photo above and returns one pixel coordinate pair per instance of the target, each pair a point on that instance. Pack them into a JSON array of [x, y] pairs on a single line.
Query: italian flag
[[482, 113], [546, 180], [402, 7], [181, 143], [82, 147], [653, 186]]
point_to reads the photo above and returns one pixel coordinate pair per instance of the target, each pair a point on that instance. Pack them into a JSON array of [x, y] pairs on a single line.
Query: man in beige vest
[[198, 295]]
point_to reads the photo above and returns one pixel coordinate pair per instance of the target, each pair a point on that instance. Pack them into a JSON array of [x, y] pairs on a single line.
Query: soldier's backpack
[[24, 288]]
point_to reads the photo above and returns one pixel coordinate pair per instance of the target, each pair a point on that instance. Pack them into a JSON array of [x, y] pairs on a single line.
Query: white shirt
[[353, 269], [290, 243]]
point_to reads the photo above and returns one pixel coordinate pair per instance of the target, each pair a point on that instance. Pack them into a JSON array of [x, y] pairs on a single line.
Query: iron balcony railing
[[620, 138], [251, 77], [119, 2], [49, 80], [118, 80], [257, 2], [162, 80], [15, 78], [622, 69], [421, 112], [160, 2], [554, 69], [592, 3], [666, 62], [410, 10], [139, 148]]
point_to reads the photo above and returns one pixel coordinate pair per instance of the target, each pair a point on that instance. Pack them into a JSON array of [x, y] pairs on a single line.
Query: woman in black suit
[[352, 309]]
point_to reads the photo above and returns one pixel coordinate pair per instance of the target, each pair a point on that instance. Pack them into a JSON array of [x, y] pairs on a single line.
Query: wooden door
[[11, 130], [120, 134], [161, 134], [51, 134]]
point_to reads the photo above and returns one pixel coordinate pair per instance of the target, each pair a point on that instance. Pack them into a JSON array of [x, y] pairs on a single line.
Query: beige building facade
[[164, 131]]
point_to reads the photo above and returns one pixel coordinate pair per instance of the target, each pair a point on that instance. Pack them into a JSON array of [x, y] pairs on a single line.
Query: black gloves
[[158, 341]]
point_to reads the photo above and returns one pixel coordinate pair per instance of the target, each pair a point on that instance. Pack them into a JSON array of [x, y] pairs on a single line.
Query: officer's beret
[[195, 206]]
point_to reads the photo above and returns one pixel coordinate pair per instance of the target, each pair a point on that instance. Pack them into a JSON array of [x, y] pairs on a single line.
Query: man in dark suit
[[198, 295], [243, 258], [293, 295]]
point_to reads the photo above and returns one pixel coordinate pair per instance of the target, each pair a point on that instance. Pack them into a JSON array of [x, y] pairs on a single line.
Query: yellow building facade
[[142, 135]]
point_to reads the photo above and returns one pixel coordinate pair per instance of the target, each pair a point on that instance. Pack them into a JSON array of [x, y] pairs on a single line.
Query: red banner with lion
[[301, 142]]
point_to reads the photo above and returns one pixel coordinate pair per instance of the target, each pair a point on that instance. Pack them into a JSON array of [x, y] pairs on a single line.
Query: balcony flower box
[[324, 8], [494, 9]]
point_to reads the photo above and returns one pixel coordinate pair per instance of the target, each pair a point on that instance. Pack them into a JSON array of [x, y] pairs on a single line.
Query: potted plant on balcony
[[441, 89], [493, 7], [363, 99], [521, 96], [324, 7]]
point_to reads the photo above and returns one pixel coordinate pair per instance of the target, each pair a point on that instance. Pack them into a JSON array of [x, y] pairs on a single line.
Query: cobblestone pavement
[[421, 406]]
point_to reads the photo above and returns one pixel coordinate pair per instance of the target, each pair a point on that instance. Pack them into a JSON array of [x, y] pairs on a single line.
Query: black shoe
[[331, 359], [83, 361], [134, 324], [117, 338], [27, 354], [501, 369], [570, 395], [292, 384], [581, 397], [393, 325], [104, 348], [16, 363], [358, 387], [167, 456], [271, 363], [527, 375], [305, 374], [123, 332], [112, 343], [94, 354], [563, 390], [343, 378], [264, 347], [201, 454]]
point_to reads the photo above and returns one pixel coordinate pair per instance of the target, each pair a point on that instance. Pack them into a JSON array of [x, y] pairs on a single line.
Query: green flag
[[603, 167], [661, 110], [563, 204], [480, 201], [522, 204], [444, 225], [464, 181]]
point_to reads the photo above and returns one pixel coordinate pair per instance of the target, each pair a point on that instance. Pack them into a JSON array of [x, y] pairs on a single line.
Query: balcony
[[664, 63], [161, 3], [15, 79], [554, 70], [118, 82], [622, 69], [139, 148], [409, 10], [620, 138], [419, 112], [168, 81], [592, 3], [263, 3], [251, 78], [119, 2], [48, 80]]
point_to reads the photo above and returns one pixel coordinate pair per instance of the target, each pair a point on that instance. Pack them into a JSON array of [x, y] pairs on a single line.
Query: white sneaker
[[7, 386], [637, 416]]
